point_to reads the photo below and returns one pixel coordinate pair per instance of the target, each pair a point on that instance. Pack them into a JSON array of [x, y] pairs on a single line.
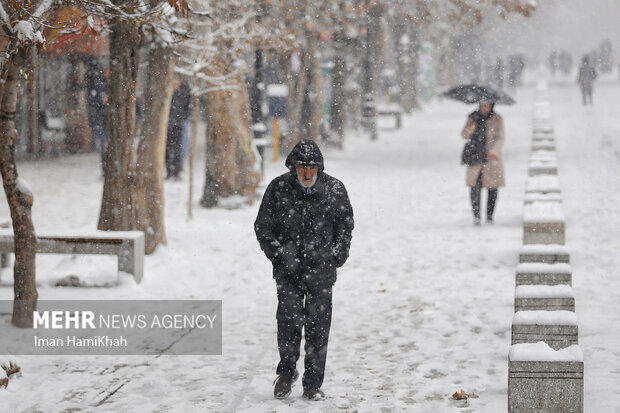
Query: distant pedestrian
[[304, 227], [587, 75], [486, 127], [97, 101], [179, 113]]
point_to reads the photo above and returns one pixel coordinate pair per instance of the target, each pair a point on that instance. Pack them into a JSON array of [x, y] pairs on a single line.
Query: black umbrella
[[476, 93]]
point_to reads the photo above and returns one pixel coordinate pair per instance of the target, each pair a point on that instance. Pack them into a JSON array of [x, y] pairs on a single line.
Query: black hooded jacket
[[305, 235]]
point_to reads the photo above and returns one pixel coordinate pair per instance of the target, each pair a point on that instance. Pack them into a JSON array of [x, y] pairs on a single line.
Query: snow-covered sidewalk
[[422, 309]]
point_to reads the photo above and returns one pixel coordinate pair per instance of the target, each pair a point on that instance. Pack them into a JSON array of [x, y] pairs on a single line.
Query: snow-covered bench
[[128, 246], [544, 297], [544, 253], [559, 329], [541, 379], [543, 274], [391, 110], [52, 132], [543, 223]]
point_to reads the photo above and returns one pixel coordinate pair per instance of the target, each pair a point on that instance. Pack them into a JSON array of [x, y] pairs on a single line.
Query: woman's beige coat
[[492, 170]]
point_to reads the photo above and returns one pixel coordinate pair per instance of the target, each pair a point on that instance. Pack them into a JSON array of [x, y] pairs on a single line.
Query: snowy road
[[422, 309]]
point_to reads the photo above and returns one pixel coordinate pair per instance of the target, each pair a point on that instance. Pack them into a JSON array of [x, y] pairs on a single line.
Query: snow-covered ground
[[422, 309]]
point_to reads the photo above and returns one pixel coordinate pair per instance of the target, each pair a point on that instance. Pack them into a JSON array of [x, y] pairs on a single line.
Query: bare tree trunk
[[338, 113], [19, 197], [149, 189], [195, 118], [33, 107], [316, 95], [77, 130], [415, 67], [232, 167], [376, 41], [117, 212], [297, 88]]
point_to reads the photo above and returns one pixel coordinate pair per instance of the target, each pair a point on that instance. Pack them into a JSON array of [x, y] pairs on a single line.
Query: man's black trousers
[[309, 307]]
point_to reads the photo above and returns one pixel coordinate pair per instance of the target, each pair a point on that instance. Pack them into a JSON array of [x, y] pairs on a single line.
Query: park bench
[[541, 379], [394, 111], [52, 131], [128, 246]]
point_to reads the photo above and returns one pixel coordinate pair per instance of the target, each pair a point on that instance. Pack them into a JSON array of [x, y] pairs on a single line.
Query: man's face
[[306, 175]]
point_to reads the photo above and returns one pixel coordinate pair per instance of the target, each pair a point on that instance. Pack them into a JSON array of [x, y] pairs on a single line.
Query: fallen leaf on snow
[[464, 396]]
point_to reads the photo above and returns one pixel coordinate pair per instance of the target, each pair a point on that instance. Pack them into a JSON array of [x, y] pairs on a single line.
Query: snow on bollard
[[541, 379], [559, 329], [543, 223], [544, 298], [543, 155], [539, 197], [542, 126], [534, 273], [544, 253], [542, 166], [540, 134], [543, 144], [543, 183]]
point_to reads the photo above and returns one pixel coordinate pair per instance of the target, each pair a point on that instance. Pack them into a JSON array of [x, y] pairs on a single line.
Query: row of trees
[[601, 57], [208, 41]]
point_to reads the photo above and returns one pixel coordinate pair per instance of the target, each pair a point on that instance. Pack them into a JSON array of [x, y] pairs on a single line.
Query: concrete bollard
[[543, 144], [542, 170], [544, 253], [541, 379], [559, 329], [543, 274], [544, 298], [539, 134], [543, 184], [542, 166], [543, 223], [537, 196]]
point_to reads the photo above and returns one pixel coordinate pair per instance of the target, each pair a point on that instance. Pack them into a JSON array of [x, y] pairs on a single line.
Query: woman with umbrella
[[482, 154], [485, 168]]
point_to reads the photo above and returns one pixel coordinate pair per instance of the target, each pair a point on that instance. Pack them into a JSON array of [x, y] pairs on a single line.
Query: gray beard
[[306, 184]]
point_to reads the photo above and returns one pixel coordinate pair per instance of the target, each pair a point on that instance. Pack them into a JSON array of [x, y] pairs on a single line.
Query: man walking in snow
[[304, 227], [586, 77]]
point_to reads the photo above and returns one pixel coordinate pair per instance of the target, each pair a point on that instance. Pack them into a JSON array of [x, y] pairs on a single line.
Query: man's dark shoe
[[283, 384], [314, 394]]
